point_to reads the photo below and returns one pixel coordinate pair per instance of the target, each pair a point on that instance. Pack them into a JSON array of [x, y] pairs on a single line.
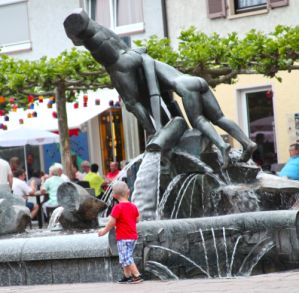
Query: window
[[122, 16], [14, 33], [249, 5], [236, 8], [257, 119]]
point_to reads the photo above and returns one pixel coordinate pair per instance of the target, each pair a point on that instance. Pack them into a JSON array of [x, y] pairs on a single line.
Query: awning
[[46, 118]]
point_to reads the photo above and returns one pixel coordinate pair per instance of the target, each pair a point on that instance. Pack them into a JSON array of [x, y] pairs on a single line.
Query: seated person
[[22, 190], [85, 168], [94, 179], [50, 186], [14, 163], [113, 173], [37, 176], [61, 174], [291, 168]]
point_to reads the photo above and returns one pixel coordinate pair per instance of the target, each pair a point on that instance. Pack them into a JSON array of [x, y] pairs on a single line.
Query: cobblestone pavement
[[287, 282]]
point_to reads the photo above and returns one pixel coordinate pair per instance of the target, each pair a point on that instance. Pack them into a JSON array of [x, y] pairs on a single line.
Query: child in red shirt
[[124, 217]]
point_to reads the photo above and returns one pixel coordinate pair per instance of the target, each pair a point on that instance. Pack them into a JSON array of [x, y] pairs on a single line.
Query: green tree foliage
[[63, 77], [220, 59]]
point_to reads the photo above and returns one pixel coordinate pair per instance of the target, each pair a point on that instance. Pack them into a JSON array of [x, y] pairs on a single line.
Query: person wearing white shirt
[[61, 174], [22, 190], [5, 175]]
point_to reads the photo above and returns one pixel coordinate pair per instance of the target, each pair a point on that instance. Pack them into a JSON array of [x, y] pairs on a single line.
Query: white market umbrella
[[22, 136]]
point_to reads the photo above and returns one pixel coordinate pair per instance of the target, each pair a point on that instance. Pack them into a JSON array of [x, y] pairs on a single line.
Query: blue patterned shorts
[[125, 251]]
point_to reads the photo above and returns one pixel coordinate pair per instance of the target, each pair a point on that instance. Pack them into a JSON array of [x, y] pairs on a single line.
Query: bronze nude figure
[[142, 81]]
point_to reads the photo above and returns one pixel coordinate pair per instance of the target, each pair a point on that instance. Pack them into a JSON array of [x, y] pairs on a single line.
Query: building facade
[[266, 110]]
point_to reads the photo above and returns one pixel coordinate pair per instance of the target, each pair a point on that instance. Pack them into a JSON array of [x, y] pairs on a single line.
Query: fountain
[[205, 212]]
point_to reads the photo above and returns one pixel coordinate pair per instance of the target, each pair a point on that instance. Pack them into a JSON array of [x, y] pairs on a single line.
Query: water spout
[[54, 220], [182, 256], [205, 251], [146, 186], [216, 252]]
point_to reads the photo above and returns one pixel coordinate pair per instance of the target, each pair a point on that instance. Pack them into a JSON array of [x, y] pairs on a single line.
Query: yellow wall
[[285, 101]]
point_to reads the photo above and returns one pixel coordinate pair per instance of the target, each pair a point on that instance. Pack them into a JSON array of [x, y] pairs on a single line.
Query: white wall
[[152, 13], [182, 16], [46, 28]]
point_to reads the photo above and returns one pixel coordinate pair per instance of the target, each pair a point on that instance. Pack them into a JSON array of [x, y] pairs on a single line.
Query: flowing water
[[182, 256], [205, 251], [54, 220], [168, 191], [161, 271], [146, 187], [216, 252], [180, 195]]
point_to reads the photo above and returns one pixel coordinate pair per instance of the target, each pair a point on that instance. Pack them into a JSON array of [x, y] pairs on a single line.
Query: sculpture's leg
[[193, 107], [213, 112], [235, 131], [142, 116]]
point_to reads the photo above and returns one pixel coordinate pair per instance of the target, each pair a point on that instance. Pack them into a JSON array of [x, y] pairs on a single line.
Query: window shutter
[[216, 8], [278, 3]]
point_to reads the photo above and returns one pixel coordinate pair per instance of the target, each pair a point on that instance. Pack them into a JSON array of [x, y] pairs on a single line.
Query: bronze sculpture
[[141, 81]]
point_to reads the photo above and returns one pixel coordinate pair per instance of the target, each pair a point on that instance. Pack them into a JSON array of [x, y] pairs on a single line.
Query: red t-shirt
[[111, 175], [125, 214]]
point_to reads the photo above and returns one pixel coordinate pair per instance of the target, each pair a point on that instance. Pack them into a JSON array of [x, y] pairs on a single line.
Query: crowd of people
[[24, 186]]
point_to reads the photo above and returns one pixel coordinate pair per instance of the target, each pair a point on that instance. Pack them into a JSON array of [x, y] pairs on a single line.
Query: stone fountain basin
[[84, 257], [54, 259]]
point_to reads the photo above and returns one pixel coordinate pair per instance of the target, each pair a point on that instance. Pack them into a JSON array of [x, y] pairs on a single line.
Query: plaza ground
[[286, 282]]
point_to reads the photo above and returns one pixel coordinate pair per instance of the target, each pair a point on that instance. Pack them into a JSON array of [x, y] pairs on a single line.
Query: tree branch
[[35, 94], [92, 73]]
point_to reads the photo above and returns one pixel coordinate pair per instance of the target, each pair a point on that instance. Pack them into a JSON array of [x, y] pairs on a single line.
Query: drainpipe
[[164, 18]]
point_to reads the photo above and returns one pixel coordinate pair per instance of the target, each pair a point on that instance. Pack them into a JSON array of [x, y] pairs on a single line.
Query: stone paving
[[287, 282]]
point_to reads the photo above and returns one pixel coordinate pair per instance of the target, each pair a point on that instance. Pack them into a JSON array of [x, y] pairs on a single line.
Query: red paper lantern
[[85, 98], [76, 105], [2, 112], [54, 114], [30, 99]]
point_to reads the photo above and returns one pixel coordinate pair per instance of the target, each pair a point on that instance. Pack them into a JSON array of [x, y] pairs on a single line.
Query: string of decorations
[[9, 104]]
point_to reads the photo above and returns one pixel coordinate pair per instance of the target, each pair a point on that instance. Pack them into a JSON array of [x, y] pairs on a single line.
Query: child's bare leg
[[127, 271], [133, 270]]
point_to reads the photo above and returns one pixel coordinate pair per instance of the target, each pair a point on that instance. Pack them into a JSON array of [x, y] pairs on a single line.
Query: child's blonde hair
[[120, 188]]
